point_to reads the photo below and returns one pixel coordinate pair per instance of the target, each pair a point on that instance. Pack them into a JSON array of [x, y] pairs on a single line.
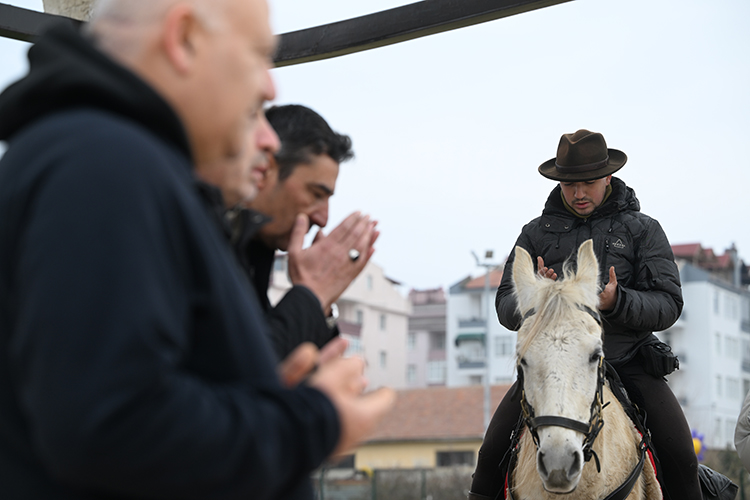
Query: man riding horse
[[640, 294]]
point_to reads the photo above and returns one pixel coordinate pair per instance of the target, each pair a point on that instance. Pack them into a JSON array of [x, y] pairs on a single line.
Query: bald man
[[135, 356]]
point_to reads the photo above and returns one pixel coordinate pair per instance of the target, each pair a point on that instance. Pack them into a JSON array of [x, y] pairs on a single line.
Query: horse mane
[[553, 302]]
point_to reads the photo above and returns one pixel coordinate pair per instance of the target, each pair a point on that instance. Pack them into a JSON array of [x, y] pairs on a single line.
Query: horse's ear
[[524, 277], [588, 266]]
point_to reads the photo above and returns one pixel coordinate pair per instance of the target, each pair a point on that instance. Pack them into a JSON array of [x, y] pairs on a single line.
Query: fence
[[452, 483], [442, 483]]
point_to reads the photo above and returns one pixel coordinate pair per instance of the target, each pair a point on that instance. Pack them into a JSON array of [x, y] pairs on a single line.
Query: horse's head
[[559, 354]]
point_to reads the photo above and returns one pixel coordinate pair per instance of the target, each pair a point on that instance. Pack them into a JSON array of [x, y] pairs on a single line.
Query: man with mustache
[[641, 293]]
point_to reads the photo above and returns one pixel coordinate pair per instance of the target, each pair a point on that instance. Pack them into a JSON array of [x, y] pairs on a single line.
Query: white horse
[[569, 411]]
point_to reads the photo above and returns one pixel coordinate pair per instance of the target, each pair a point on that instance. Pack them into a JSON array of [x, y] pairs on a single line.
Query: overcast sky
[[449, 130]]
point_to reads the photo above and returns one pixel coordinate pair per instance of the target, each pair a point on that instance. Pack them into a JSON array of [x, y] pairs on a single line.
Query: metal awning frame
[[367, 32]]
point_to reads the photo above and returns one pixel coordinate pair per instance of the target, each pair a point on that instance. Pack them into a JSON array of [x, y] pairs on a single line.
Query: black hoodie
[[134, 361]]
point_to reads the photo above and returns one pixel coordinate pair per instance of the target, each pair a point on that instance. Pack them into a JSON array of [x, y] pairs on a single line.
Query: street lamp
[[487, 265]]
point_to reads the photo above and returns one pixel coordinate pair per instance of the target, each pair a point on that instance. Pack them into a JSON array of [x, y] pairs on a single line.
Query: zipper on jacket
[[605, 266]]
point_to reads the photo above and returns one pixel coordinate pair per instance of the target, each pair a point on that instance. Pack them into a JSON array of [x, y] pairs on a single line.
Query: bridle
[[589, 429]]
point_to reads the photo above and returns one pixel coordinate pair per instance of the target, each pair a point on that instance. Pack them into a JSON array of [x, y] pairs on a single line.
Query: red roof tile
[[686, 250], [438, 413], [495, 277]]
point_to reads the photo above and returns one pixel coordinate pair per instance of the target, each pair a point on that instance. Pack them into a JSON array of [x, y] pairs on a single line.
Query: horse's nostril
[[575, 467], [540, 464]]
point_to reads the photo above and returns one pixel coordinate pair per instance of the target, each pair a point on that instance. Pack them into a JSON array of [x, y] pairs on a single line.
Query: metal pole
[[423, 493], [487, 353]]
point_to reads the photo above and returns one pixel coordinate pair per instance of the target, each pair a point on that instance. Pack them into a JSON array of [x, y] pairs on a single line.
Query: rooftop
[[438, 413], [496, 276]]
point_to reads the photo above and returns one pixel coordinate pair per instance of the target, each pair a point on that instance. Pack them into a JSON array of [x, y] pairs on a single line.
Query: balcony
[[471, 323], [469, 337], [471, 350], [349, 328], [466, 363]]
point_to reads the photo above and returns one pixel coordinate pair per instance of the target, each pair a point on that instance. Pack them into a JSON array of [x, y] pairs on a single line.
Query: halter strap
[[550, 420]]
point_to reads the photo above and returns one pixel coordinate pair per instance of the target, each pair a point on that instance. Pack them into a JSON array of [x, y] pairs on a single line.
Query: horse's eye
[[595, 357]]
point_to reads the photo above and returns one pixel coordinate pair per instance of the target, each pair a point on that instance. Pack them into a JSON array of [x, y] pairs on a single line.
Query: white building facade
[[373, 317], [426, 363], [469, 333], [712, 341]]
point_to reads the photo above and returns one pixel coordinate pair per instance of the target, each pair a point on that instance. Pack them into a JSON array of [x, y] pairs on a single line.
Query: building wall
[[408, 454]]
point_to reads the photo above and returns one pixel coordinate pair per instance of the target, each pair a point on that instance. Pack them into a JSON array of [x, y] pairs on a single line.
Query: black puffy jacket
[[649, 297]]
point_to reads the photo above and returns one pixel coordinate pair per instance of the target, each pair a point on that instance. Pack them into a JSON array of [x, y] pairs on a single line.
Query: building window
[[355, 346], [279, 264], [475, 380], [437, 341], [369, 282], [383, 359], [717, 343], [436, 372], [345, 462], [360, 317], [716, 302], [718, 385], [733, 347], [382, 321], [729, 432], [504, 346], [411, 373], [717, 431], [411, 341], [733, 388], [450, 458], [730, 307]]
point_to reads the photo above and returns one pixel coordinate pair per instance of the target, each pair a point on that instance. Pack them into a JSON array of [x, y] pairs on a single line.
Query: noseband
[[589, 429]]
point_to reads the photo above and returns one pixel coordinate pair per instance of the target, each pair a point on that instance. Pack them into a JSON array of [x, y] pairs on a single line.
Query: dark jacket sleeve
[[505, 300], [100, 351], [655, 303], [298, 318]]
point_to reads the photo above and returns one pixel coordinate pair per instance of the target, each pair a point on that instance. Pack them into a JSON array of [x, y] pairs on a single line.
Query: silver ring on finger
[[353, 254]]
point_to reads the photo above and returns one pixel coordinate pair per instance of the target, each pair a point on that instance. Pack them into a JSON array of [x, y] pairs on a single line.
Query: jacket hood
[[622, 198], [66, 71]]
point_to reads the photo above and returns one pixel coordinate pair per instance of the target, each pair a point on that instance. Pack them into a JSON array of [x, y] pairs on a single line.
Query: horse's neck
[[616, 447]]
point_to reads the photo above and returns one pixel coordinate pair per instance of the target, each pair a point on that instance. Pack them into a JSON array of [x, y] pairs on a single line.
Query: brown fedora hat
[[582, 156]]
